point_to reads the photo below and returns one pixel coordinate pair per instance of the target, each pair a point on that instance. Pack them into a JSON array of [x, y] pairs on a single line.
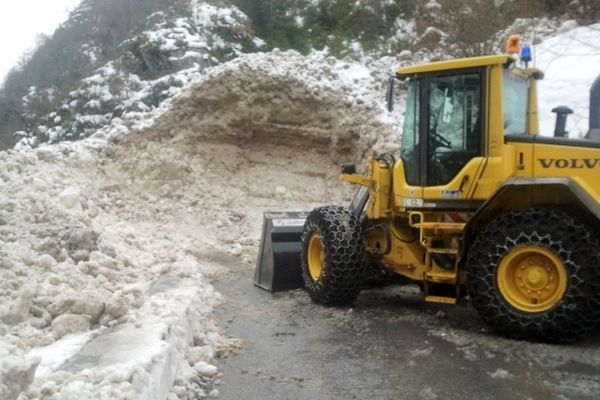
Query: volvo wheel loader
[[476, 203]]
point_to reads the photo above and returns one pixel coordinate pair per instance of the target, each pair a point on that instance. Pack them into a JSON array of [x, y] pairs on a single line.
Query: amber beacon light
[[513, 45]]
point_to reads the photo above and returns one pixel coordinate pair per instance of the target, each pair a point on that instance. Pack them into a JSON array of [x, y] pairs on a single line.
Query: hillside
[[117, 60]]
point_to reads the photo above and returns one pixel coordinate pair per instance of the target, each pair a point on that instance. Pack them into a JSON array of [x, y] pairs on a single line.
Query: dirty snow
[[108, 246]]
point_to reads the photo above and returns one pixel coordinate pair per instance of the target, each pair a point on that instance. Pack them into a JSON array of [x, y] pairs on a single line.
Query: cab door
[[452, 117]]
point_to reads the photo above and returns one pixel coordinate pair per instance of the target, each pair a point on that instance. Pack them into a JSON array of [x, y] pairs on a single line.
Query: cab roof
[[461, 63]]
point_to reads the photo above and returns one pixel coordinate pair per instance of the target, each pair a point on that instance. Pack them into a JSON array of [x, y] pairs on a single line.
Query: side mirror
[[389, 96]]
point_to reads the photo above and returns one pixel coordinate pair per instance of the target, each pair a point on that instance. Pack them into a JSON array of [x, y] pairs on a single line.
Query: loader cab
[[456, 118], [442, 125]]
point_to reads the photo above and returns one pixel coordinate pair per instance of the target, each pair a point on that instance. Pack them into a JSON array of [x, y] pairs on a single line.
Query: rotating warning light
[[513, 45], [526, 53]]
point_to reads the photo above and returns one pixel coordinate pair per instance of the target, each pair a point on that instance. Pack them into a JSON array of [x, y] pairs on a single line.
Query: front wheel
[[535, 275], [332, 256]]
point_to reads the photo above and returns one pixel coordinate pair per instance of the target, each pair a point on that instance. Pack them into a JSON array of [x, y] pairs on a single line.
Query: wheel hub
[[315, 256], [536, 275], [532, 278]]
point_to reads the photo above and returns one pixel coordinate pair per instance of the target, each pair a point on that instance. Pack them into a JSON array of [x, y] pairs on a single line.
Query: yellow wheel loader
[[477, 203]]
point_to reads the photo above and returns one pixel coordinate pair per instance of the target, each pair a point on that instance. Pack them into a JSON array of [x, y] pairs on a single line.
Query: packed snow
[[108, 245]]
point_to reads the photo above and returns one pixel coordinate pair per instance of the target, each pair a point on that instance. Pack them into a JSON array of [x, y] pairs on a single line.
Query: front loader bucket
[[278, 264]]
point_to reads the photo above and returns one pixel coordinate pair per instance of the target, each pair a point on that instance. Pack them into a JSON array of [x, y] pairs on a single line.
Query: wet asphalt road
[[390, 345]]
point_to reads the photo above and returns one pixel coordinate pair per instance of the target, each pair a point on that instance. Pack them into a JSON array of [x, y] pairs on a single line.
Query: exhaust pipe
[[561, 120], [594, 132]]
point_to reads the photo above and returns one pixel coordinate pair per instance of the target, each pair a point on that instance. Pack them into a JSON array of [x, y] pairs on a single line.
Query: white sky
[[22, 20]]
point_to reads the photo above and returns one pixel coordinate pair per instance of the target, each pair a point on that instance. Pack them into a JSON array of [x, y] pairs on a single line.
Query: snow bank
[[71, 260], [284, 96], [107, 246]]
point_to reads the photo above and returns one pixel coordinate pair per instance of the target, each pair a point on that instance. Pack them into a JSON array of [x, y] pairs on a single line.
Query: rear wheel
[[535, 275], [332, 256]]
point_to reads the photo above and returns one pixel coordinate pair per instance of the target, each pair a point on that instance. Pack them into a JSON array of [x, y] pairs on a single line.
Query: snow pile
[[71, 262], [107, 246], [286, 97], [570, 63]]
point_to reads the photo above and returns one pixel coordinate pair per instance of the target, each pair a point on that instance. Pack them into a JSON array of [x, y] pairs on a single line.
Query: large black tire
[[337, 275], [496, 282]]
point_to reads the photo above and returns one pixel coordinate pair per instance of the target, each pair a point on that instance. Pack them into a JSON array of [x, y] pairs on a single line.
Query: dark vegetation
[[470, 24]]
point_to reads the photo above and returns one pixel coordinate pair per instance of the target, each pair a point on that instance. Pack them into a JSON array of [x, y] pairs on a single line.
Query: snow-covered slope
[[154, 66]]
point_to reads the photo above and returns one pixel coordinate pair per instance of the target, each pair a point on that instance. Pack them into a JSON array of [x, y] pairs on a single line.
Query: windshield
[[515, 104]]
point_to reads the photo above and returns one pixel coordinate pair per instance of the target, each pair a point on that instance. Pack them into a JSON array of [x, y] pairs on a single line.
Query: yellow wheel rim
[[532, 278], [316, 256]]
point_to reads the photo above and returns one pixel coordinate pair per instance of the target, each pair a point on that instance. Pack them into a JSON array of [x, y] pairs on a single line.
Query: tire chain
[[343, 268], [579, 310]]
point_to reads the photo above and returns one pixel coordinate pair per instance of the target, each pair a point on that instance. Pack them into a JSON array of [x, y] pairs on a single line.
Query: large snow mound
[[111, 243], [315, 102]]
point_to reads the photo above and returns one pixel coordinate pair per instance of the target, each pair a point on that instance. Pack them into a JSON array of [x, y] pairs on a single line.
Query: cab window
[[515, 104], [454, 124]]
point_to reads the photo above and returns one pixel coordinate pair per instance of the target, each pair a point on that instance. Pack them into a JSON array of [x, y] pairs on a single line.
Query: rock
[[82, 239], [70, 323]]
